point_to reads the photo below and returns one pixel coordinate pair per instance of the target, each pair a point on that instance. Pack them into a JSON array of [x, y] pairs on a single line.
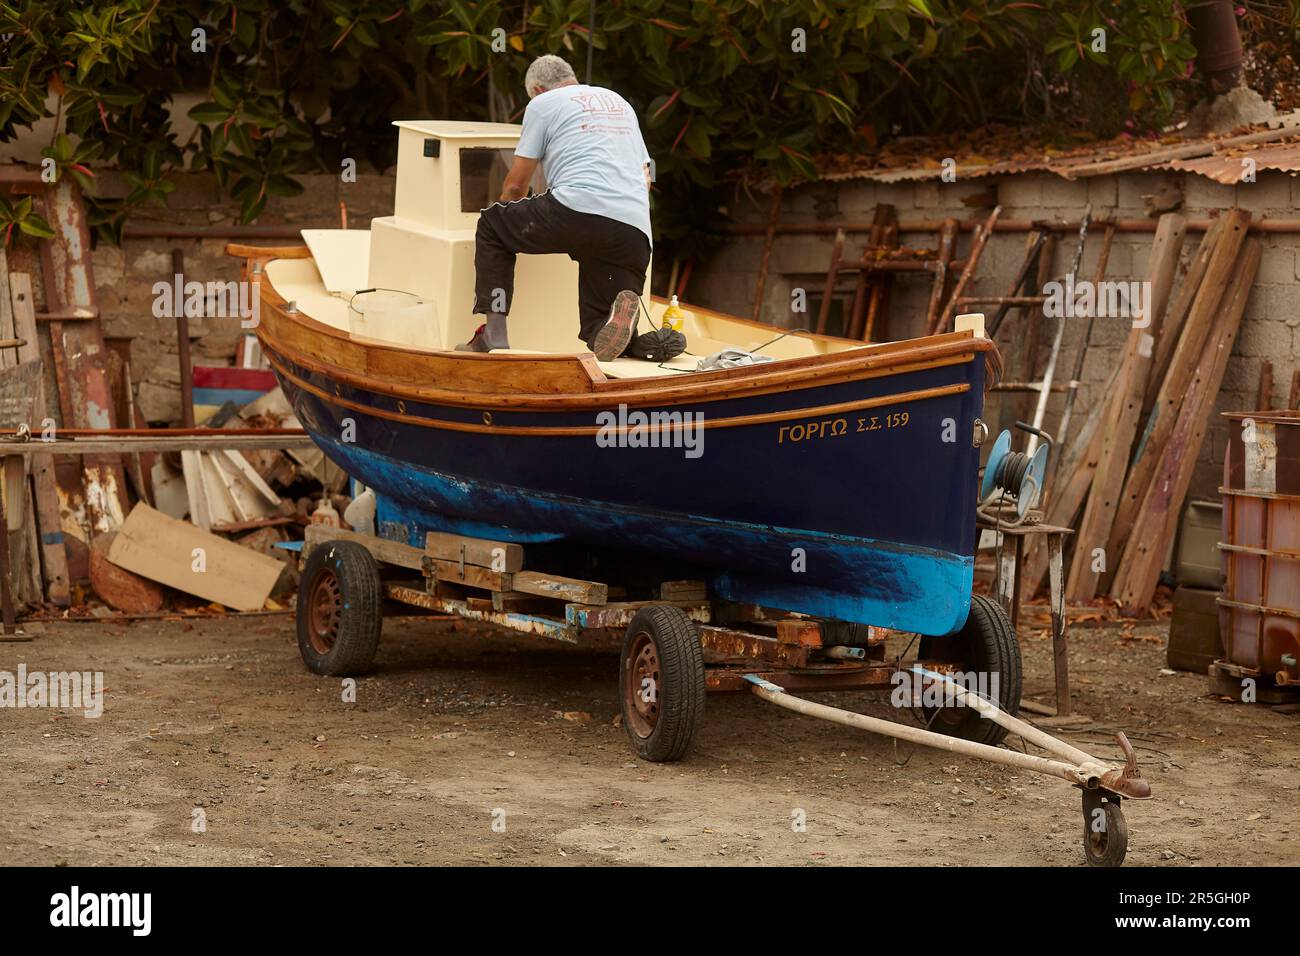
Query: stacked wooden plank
[[1129, 468]]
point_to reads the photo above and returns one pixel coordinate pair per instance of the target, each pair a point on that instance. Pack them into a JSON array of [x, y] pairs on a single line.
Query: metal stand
[[1009, 593]]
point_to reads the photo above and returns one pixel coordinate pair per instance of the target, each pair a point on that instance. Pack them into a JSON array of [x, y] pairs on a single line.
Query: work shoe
[[660, 345], [477, 344], [614, 335]]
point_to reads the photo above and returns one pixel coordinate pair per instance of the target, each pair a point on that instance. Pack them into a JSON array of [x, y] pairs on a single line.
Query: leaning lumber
[[967, 274], [1067, 490], [1157, 517], [18, 399], [1103, 258], [189, 559], [884, 236], [1171, 329], [947, 245], [1122, 408], [1264, 394], [1033, 327], [48, 525], [832, 274], [1182, 367]]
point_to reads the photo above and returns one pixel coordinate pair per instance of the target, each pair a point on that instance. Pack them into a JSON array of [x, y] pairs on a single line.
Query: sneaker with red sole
[[613, 338]]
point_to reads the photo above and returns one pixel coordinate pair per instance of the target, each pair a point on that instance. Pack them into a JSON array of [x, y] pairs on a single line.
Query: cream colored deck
[[298, 281]]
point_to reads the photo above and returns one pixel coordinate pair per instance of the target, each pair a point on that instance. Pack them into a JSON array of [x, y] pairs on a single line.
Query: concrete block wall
[[125, 275], [1269, 326]]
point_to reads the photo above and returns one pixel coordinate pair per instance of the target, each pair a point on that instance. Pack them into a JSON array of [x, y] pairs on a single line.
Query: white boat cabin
[[409, 279]]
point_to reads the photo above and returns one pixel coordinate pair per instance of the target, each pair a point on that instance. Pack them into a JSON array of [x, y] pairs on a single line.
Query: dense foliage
[[296, 85]]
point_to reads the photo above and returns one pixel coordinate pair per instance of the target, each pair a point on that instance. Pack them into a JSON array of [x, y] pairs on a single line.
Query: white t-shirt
[[592, 153]]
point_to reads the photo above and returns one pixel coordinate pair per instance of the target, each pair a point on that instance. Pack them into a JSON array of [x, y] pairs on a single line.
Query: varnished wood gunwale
[[562, 382], [732, 421], [244, 250]]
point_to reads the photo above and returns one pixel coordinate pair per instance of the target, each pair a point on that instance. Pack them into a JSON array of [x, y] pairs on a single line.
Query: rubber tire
[[681, 694], [1110, 845], [361, 618], [990, 645]]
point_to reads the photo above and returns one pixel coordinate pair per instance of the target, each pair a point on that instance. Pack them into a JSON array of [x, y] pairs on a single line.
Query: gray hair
[[548, 72]]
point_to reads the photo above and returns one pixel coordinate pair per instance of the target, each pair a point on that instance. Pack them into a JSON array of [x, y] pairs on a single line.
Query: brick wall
[[727, 281]]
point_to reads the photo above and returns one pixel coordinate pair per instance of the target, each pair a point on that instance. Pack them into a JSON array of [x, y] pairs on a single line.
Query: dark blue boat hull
[[865, 516]]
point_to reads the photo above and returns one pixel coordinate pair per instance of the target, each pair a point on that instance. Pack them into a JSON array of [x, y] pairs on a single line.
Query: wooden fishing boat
[[744, 522], [838, 480]]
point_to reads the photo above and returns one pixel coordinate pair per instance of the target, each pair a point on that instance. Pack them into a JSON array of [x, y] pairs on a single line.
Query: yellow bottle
[[673, 316]]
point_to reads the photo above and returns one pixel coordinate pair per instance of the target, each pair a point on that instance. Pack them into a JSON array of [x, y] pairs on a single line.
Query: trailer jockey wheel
[[984, 649], [340, 605], [661, 683], [1105, 834]]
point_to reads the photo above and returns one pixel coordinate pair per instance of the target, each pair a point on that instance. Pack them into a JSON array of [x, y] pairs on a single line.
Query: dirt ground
[[459, 727]]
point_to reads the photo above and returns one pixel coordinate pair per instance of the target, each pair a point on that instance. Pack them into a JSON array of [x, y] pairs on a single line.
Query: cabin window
[[482, 174]]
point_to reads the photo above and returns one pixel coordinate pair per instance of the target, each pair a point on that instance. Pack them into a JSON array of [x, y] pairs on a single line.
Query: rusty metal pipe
[[162, 230], [1277, 226], [1084, 770], [1013, 724], [1084, 776], [1006, 300]]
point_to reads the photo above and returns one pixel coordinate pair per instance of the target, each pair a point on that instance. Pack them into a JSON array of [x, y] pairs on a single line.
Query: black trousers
[[611, 255]]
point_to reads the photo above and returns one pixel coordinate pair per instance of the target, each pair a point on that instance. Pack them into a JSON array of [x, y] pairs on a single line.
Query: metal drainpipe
[[1218, 44]]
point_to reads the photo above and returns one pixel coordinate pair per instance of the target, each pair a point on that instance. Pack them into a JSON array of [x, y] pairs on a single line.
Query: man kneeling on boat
[[596, 209]]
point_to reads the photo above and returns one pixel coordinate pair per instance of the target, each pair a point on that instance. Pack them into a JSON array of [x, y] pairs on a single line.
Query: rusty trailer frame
[[735, 648]]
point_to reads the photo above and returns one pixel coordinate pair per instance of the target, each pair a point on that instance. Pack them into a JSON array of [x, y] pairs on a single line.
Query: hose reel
[[1016, 475]]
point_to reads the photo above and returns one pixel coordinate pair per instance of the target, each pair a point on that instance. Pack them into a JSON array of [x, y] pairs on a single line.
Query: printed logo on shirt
[[600, 104]]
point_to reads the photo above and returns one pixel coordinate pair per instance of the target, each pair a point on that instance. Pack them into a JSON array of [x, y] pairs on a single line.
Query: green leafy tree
[[727, 86]]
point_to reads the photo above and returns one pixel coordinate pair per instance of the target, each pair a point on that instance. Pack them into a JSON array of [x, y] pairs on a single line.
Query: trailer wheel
[[661, 683], [986, 644], [1105, 833], [339, 609]]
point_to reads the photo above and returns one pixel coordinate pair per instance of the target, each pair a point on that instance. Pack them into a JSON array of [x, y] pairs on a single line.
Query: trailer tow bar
[[1103, 783]]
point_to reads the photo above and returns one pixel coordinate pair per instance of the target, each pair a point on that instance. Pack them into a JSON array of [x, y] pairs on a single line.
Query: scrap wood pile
[[153, 521], [202, 512], [1126, 471]]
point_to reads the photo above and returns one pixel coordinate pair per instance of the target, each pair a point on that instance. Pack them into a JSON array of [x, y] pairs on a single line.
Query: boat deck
[[299, 281]]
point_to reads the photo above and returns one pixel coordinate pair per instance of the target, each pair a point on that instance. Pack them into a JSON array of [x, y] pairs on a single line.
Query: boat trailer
[[681, 643]]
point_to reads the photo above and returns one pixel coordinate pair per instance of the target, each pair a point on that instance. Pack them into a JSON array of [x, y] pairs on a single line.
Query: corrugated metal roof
[[1218, 158], [1227, 167]]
